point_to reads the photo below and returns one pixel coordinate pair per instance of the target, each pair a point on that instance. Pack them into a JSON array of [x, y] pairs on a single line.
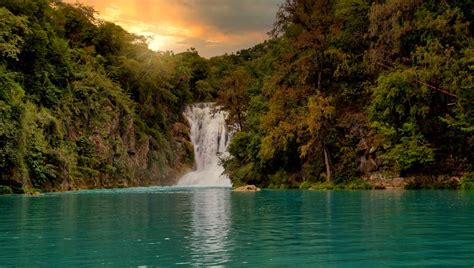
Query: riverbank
[[98, 183], [374, 182], [380, 181]]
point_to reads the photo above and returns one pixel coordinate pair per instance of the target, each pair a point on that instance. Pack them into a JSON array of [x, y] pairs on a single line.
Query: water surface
[[194, 226]]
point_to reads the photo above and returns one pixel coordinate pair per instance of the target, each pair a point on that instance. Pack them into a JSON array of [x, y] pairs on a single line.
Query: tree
[[318, 122], [423, 51], [234, 98], [12, 29]]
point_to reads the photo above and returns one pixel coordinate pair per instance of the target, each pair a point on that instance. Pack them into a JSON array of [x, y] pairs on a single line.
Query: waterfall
[[210, 138]]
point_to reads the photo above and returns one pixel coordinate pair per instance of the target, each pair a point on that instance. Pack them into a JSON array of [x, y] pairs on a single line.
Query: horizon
[[212, 27]]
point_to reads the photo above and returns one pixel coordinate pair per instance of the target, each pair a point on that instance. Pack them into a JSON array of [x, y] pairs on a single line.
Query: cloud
[[213, 27], [232, 15]]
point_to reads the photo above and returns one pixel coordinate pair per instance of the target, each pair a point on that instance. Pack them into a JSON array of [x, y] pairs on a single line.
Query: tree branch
[[422, 82]]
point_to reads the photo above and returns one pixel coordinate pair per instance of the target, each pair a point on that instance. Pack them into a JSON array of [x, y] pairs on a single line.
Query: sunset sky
[[213, 27]]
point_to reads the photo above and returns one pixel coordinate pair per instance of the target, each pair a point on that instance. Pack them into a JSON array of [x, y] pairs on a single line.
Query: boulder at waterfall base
[[247, 188]]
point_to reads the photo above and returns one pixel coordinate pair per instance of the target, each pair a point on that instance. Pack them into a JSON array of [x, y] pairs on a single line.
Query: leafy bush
[[323, 186], [5, 190], [357, 185], [467, 182], [412, 153], [280, 179], [349, 185], [305, 185]]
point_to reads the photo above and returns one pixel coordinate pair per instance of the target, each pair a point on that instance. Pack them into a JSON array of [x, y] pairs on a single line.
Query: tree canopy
[[83, 103], [347, 88]]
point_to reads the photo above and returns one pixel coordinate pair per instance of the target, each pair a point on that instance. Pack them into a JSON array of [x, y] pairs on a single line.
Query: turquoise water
[[202, 227]]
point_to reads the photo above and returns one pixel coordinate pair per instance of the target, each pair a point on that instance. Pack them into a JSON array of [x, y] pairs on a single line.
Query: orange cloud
[[213, 27]]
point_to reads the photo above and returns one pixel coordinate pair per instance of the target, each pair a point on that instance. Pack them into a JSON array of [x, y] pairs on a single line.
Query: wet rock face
[[247, 188], [378, 181], [117, 152]]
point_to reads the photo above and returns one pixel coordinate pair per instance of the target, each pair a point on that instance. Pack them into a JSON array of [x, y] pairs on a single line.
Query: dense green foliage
[[85, 104], [343, 89], [348, 88], [467, 181]]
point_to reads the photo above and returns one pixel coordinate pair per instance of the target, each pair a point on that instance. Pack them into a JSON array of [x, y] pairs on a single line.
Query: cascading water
[[210, 138]]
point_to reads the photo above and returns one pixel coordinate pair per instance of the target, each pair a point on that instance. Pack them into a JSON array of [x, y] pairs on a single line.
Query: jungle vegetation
[[340, 90], [344, 89], [85, 104]]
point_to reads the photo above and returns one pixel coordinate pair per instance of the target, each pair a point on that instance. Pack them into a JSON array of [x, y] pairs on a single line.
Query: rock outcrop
[[247, 188], [379, 181]]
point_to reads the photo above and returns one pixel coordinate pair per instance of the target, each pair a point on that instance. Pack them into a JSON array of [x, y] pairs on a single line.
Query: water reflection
[[210, 227], [216, 227]]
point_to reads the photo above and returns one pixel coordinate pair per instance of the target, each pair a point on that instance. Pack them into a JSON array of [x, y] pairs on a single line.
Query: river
[[149, 227]]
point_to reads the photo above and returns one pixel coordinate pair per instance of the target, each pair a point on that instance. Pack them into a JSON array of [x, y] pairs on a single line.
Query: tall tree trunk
[[239, 119], [328, 167], [320, 78]]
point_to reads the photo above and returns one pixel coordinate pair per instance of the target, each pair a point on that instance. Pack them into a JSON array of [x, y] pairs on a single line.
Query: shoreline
[[377, 182]]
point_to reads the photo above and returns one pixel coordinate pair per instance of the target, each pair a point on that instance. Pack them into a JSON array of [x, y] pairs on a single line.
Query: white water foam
[[210, 138]]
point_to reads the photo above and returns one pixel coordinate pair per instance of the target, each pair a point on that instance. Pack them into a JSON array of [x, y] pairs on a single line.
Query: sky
[[213, 27]]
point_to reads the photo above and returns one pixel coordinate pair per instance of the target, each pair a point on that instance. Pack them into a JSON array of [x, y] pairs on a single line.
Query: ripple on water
[[214, 226]]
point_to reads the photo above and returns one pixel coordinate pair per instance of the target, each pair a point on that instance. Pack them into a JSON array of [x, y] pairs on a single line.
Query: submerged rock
[[247, 188]]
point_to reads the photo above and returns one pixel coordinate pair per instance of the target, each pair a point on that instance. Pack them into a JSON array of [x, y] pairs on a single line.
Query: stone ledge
[[247, 188]]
